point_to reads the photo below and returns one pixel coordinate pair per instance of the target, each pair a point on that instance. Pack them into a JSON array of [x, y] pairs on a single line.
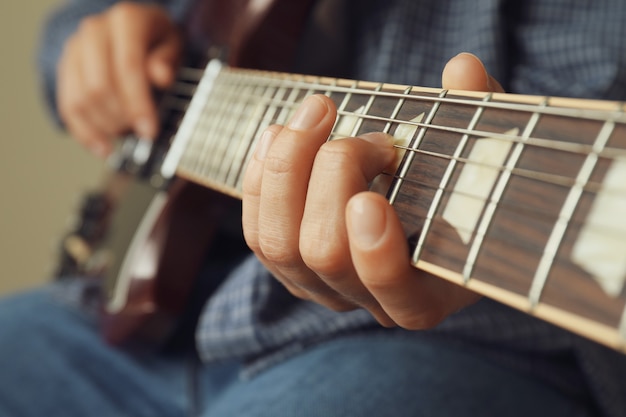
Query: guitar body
[[518, 198], [145, 236], [157, 239]]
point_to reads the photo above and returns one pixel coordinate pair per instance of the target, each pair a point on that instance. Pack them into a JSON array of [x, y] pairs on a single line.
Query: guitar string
[[551, 144], [531, 212], [534, 250], [547, 178], [535, 175], [557, 180], [441, 233], [561, 181], [299, 81], [554, 179]]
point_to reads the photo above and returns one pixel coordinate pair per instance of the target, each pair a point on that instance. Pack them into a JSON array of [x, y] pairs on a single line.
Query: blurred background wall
[[42, 173]]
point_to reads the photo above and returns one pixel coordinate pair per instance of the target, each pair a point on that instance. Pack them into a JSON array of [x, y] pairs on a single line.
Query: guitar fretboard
[[520, 198]]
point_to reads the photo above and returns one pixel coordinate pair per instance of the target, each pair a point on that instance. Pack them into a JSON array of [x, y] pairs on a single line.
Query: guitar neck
[[520, 198]]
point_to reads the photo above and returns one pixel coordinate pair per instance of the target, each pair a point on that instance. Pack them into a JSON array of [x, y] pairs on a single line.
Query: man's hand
[[108, 69], [309, 218]]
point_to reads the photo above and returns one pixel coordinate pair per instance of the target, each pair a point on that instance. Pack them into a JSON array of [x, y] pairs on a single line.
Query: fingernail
[[265, 142], [163, 71], [310, 113], [377, 138], [467, 54], [367, 221], [144, 128]]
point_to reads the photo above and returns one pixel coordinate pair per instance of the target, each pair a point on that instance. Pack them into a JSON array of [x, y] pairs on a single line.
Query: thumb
[[466, 72], [164, 58]]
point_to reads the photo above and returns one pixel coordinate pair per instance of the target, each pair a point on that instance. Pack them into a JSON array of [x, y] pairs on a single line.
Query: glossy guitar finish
[[519, 198], [145, 235]]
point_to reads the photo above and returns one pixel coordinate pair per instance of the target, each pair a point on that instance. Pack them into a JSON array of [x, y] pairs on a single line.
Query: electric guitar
[[519, 198]]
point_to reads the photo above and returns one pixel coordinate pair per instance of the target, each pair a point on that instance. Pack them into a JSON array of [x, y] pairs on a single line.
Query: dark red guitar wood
[[264, 39]]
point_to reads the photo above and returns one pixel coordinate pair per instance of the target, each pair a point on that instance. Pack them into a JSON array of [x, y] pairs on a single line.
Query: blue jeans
[[53, 363]]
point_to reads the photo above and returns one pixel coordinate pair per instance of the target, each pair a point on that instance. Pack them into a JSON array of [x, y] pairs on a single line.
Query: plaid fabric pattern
[[553, 47]]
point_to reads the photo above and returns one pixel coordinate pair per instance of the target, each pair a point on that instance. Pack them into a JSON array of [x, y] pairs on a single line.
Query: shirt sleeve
[[64, 21]]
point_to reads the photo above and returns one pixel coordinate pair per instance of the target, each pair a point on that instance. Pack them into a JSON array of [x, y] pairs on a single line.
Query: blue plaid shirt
[[571, 48]]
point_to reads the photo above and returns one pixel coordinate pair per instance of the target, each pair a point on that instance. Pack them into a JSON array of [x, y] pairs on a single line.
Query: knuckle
[[335, 303], [73, 108], [96, 93], [124, 10], [336, 153], [297, 292], [279, 165], [323, 257], [418, 321], [90, 24], [377, 285], [250, 186], [279, 252], [130, 64]]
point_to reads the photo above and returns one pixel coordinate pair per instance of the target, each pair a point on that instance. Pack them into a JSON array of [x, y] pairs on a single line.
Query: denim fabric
[[54, 364]]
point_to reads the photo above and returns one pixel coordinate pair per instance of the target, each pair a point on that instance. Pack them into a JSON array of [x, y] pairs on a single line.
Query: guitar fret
[[287, 108], [496, 197], [567, 211], [261, 125], [329, 91], [448, 135], [254, 126], [234, 142], [410, 154], [341, 111], [275, 103], [185, 131], [250, 118], [396, 110], [565, 111], [506, 137], [218, 135], [199, 143], [366, 110], [212, 121], [251, 115], [381, 184], [436, 202]]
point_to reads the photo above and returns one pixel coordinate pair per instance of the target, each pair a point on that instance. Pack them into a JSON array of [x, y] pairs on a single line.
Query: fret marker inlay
[[401, 140], [402, 137], [601, 248], [347, 122], [474, 185]]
